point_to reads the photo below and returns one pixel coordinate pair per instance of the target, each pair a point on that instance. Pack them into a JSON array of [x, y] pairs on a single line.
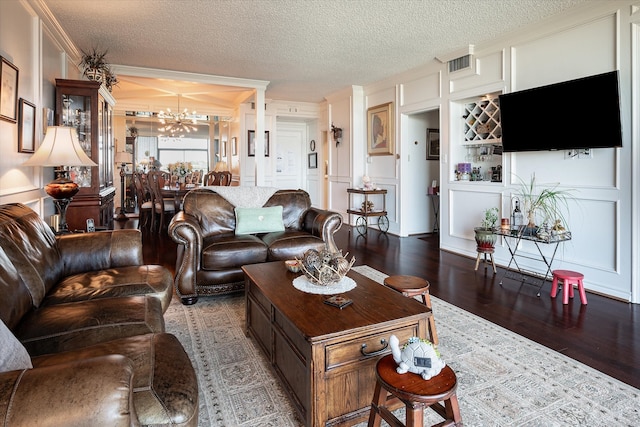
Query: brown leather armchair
[[90, 315], [210, 254]]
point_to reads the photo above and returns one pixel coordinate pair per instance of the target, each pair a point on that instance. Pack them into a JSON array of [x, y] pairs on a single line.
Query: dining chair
[[144, 200], [224, 178], [162, 206], [196, 177], [209, 178]]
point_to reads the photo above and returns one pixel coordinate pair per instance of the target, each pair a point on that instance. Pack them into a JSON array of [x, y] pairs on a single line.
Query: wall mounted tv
[[576, 114]]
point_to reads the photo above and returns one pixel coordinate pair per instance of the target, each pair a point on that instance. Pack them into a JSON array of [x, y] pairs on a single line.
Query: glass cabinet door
[[76, 112]]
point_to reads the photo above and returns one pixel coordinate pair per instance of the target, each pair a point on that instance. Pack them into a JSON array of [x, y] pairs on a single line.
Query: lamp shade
[[60, 148], [123, 157]]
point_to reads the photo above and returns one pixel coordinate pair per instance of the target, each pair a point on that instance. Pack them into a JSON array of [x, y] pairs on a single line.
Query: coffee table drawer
[[377, 344]]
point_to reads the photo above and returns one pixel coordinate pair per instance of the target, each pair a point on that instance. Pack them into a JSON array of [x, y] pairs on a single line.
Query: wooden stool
[[411, 286], [569, 278], [485, 252], [415, 393]]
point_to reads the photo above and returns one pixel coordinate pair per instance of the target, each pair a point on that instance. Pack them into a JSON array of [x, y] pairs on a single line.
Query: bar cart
[[365, 211]]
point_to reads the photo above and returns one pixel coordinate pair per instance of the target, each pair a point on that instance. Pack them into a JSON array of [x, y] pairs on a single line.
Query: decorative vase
[[182, 179], [485, 239], [93, 74]]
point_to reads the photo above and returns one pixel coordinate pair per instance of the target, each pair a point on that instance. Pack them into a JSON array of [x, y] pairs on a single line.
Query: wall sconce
[[337, 134]]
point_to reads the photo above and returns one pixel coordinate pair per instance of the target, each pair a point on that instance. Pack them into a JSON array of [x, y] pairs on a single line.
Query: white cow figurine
[[418, 356]]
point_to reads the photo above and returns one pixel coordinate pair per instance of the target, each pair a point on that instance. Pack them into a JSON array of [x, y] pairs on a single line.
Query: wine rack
[[482, 122]]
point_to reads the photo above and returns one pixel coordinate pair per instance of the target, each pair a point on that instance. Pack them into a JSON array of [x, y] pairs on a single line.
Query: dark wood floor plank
[[602, 334]]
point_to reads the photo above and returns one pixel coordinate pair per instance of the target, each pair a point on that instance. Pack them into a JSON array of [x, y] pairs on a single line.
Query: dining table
[[177, 192]]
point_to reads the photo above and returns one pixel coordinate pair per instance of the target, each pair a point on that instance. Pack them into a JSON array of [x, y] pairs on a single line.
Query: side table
[[515, 236]]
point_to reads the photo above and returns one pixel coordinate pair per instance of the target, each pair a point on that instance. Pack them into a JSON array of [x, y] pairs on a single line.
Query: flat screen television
[[576, 114]]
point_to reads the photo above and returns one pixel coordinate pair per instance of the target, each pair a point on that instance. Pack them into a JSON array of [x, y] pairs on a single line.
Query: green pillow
[[259, 220]]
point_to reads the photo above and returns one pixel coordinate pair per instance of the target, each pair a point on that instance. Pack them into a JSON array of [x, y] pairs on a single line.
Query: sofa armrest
[[83, 252], [89, 392], [323, 223], [185, 230]]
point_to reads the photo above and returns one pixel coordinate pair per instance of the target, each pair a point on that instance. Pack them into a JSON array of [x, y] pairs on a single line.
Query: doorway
[[421, 170]]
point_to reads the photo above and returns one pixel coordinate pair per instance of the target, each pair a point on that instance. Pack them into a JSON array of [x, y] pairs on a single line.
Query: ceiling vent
[[460, 60], [461, 63]]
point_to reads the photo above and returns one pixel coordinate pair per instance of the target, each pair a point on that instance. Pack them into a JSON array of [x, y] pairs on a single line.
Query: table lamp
[[123, 158], [60, 148]]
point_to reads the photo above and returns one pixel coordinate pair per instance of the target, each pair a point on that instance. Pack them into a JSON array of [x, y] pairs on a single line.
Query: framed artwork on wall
[[313, 160], [8, 90], [433, 144], [380, 130], [27, 130], [252, 143], [234, 146]]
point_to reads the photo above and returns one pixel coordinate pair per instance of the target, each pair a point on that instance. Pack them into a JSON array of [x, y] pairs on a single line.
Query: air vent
[[461, 63]]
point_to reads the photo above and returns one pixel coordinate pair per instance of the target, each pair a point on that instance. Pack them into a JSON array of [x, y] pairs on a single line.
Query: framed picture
[[8, 90], [234, 146], [380, 130], [433, 144], [313, 160], [252, 143], [27, 130]]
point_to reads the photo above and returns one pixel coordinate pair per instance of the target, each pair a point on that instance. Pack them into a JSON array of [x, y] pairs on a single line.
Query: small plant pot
[[485, 239], [94, 74]]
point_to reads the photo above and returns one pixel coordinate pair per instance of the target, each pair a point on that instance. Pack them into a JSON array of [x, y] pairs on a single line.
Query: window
[[194, 150]]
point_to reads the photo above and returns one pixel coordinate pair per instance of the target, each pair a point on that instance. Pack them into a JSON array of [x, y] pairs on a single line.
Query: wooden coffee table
[[326, 356]]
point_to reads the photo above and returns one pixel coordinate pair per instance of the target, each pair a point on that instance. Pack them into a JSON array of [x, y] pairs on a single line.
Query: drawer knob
[[384, 343]]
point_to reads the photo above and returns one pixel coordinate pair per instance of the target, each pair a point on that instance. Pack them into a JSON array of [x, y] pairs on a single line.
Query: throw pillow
[[259, 220], [13, 355]]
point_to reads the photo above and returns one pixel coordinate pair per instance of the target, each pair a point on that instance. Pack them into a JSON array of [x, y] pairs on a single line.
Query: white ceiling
[[306, 49]]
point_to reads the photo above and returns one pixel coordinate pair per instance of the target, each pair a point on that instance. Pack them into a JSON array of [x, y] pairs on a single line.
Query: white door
[[289, 150]]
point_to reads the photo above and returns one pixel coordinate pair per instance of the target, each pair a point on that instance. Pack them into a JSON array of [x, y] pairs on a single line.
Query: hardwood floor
[[601, 334]]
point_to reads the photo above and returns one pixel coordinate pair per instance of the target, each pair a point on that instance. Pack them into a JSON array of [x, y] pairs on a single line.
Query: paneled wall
[[590, 40]]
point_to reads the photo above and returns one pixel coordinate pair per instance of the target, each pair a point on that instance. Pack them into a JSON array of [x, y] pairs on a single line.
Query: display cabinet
[[88, 107]]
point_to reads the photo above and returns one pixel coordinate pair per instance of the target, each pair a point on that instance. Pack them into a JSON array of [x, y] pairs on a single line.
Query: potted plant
[[110, 79], [547, 202], [94, 66], [485, 237]]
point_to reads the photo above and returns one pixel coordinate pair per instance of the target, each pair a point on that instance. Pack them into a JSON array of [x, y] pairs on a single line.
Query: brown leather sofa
[[210, 254], [90, 315]]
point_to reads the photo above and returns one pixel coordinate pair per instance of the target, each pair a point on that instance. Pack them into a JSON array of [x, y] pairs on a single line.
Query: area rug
[[504, 379]]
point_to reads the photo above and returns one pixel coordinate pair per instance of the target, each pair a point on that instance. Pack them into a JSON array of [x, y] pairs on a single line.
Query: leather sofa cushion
[[165, 393], [83, 392], [152, 280], [290, 244], [214, 213], [70, 326], [294, 205], [31, 246], [15, 298], [225, 251]]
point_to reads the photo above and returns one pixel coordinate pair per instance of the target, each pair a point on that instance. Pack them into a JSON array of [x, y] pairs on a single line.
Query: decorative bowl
[[292, 265], [325, 268]]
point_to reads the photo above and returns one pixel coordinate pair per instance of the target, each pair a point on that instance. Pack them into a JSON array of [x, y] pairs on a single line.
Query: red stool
[[569, 278]]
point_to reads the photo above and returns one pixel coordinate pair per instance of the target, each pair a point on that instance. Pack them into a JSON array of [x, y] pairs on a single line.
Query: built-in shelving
[[479, 151], [482, 122]]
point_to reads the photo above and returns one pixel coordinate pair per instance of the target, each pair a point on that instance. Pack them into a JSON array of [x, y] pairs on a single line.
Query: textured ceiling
[[307, 49]]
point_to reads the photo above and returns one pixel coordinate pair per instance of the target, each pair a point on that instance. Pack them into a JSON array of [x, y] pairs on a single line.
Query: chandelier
[[178, 124]]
